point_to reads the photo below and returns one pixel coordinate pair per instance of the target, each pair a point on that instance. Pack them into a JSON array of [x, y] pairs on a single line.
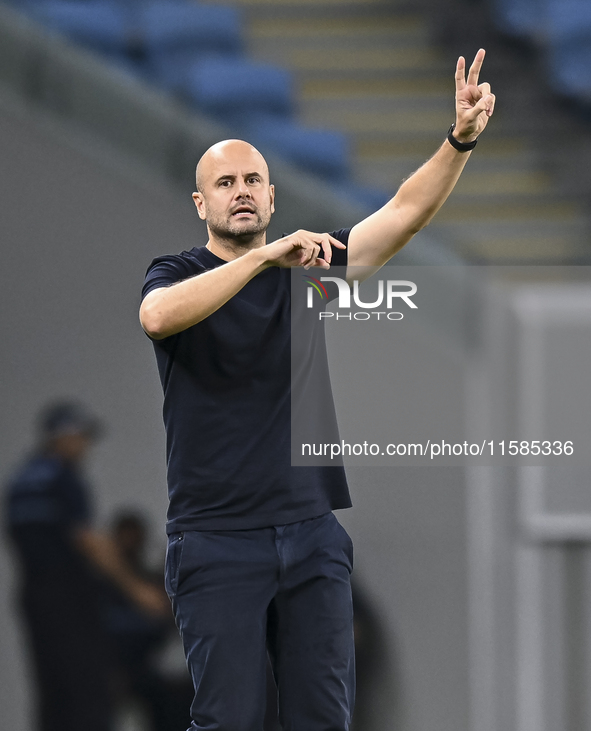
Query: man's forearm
[[102, 552], [423, 194], [169, 310], [376, 239]]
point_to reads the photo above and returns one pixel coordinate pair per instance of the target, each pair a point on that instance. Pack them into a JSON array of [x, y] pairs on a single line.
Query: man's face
[[235, 197], [72, 446]]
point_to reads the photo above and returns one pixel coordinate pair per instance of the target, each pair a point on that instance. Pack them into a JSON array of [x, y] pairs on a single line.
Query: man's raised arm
[[376, 239]]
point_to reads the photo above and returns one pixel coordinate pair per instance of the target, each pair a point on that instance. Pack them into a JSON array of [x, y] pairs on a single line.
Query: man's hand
[[474, 101], [377, 238], [101, 551], [149, 598], [301, 248]]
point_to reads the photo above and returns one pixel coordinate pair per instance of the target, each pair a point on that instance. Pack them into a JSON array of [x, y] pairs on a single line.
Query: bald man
[[256, 560]]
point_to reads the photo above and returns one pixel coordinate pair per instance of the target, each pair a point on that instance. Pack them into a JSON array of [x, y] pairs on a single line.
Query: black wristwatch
[[460, 146]]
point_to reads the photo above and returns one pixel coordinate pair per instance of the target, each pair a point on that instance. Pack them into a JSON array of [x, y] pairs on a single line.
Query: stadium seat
[[319, 151], [569, 47], [520, 18], [371, 198], [235, 89], [195, 50], [101, 26], [177, 34]]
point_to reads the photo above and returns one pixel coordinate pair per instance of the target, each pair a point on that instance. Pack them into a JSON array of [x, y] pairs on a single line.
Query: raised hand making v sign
[[376, 239], [474, 102]]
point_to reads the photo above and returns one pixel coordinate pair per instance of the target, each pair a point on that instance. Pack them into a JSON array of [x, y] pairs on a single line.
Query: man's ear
[[272, 192], [199, 204]]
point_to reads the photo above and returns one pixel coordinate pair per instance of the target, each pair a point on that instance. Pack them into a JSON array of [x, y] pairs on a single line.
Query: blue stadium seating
[[521, 18], [234, 89], [102, 26], [322, 152], [160, 39], [569, 40], [177, 34], [372, 198], [195, 50]]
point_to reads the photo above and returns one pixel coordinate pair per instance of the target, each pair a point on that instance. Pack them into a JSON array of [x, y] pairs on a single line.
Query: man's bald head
[[228, 151], [234, 195]]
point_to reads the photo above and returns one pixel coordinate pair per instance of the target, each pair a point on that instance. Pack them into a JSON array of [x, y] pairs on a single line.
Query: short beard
[[234, 234]]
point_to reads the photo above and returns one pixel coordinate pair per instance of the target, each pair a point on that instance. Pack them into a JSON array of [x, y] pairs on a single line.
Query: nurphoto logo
[[389, 293]]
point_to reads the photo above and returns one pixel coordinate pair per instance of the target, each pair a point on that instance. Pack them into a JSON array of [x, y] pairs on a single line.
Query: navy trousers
[[284, 590]]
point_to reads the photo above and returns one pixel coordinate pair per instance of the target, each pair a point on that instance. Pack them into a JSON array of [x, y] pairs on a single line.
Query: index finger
[[336, 242], [475, 68]]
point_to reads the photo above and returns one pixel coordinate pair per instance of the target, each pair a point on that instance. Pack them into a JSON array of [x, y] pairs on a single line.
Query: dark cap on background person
[[63, 418]]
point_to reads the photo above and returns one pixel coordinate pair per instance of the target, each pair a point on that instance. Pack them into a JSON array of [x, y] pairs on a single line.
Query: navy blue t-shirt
[[46, 499], [227, 408]]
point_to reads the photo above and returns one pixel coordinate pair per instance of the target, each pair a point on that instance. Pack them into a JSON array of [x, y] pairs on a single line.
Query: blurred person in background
[[139, 639], [62, 562]]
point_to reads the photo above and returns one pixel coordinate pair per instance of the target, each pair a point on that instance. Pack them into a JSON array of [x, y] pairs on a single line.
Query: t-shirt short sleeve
[[340, 256], [167, 270]]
